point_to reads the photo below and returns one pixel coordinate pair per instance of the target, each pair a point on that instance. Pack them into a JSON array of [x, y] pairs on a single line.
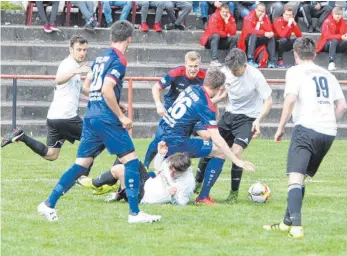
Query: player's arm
[[156, 92], [64, 77], [288, 106], [340, 108], [111, 101], [224, 148], [264, 112], [86, 84]]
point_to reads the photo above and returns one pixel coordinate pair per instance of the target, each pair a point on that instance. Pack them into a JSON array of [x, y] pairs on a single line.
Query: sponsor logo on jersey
[[213, 122], [115, 73], [163, 80]]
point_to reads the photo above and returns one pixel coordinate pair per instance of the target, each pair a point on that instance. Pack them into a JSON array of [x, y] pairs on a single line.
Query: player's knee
[[52, 154], [117, 171], [204, 135], [296, 178], [129, 157], [84, 162]]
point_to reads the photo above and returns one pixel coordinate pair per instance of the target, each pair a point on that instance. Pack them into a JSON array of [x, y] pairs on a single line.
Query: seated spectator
[[257, 31], [316, 9], [126, 8], [87, 10], [219, 33], [49, 26], [283, 28], [209, 7], [196, 8], [244, 7], [334, 37], [185, 7], [159, 9]]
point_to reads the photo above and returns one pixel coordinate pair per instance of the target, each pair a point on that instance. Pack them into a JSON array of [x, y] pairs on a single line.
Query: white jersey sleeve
[[337, 92], [262, 86], [292, 85]]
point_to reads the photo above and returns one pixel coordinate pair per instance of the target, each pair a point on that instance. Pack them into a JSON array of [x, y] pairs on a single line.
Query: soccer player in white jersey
[[249, 101], [173, 180], [315, 99], [63, 122]]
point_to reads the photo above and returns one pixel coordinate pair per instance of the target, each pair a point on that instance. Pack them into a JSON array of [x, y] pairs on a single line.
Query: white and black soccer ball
[[259, 192]]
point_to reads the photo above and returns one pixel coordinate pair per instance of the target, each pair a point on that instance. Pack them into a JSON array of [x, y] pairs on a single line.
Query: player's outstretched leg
[[150, 153], [213, 170], [11, 137], [67, 180]]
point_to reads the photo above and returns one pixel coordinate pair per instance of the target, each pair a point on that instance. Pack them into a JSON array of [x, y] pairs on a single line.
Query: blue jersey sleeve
[[166, 81], [116, 71], [207, 114]]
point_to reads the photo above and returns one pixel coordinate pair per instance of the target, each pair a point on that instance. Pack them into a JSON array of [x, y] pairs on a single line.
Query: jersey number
[[321, 86], [97, 77], [180, 107]]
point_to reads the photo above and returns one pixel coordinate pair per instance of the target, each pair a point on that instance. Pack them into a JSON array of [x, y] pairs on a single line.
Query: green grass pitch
[[89, 226]]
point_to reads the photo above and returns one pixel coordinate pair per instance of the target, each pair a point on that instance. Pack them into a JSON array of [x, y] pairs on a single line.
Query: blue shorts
[[194, 147], [198, 127], [98, 134]]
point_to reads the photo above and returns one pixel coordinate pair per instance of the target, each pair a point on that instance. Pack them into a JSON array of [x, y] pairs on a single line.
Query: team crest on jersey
[[115, 73], [163, 81]]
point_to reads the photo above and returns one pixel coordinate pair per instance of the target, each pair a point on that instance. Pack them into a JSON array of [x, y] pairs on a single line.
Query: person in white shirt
[[249, 101], [63, 122], [173, 181], [314, 98]]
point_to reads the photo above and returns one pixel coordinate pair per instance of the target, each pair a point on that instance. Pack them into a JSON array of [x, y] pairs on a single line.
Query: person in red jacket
[[257, 31], [334, 37], [283, 28], [219, 33]]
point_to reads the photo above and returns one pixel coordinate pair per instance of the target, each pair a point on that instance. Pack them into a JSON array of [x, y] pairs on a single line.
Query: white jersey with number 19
[[316, 90]]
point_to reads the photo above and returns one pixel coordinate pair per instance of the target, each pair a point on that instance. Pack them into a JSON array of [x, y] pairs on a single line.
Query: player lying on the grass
[[172, 181], [249, 101], [192, 106], [315, 98], [63, 123], [177, 80], [105, 126]]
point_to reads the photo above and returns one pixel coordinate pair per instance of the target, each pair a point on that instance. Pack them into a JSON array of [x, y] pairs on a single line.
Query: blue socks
[[132, 184], [67, 180], [213, 170], [151, 153]]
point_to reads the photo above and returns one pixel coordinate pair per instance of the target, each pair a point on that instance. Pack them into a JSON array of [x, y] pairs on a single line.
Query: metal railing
[[130, 80]]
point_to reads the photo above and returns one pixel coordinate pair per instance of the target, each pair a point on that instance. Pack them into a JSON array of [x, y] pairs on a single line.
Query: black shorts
[[236, 128], [60, 130], [307, 150]]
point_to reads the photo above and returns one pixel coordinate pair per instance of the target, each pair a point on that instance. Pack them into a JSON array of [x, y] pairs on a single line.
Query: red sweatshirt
[[216, 25], [330, 30], [249, 24], [282, 30]]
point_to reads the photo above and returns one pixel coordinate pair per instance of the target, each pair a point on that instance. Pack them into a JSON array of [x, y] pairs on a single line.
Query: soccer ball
[[259, 192]]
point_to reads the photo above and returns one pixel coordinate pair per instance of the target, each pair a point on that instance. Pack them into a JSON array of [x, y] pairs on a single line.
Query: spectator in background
[[283, 27], [185, 9], [334, 36], [196, 8], [244, 7], [126, 8], [257, 31], [316, 9], [209, 7], [219, 33], [274, 9], [49, 26], [144, 12], [87, 10], [159, 9]]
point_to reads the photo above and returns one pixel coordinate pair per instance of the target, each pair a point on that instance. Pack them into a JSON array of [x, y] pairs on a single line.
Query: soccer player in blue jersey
[[177, 80], [105, 126], [194, 105]]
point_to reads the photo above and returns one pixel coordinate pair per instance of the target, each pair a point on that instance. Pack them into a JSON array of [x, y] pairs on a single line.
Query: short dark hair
[[305, 48], [214, 78], [236, 58], [121, 30], [288, 9], [78, 39], [180, 162]]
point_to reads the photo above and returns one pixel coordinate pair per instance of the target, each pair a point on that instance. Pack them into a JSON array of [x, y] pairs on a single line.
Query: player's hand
[[127, 123], [317, 6], [123, 108], [291, 21], [269, 34], [344, 37], [279, 134], [161, 110], [83, 69], [256, 128], [226, 18], [247, 166], [172, 191], [162, 148], [261, 17]]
